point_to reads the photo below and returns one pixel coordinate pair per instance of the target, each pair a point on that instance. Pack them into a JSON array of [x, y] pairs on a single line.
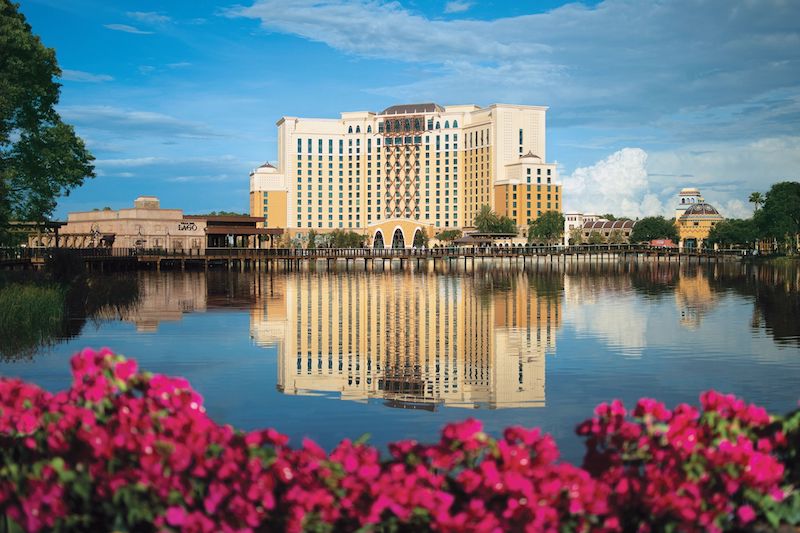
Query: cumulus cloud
[[457, 6], [127, 29], [635, 183], [618, 184], [81, 76]]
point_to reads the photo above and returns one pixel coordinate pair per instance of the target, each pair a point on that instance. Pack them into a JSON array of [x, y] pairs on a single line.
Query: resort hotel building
[[407, 169]]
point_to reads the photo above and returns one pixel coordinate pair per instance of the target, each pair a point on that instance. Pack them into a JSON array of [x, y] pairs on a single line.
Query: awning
[[242, 230]]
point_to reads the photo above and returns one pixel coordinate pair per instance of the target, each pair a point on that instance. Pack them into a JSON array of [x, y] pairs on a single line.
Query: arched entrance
[[397, 239], [419, 238], [377, 241]]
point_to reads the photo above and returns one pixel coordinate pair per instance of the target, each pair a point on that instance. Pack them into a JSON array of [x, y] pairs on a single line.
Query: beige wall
[[157, 228]]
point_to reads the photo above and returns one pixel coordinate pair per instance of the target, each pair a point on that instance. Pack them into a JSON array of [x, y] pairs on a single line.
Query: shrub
[[126, 450]]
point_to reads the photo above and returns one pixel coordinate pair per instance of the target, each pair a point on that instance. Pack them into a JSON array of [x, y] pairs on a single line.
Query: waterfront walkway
[[294, 258]]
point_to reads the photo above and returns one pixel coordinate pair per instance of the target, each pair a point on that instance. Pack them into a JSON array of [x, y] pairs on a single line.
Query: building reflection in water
[[694, 298], [415, 341]]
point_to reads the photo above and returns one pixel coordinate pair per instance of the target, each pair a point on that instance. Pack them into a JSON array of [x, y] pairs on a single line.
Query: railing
[[11, 254]]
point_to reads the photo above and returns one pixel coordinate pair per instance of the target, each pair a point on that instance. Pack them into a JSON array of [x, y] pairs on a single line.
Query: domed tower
[[696, 223], [687, 198]]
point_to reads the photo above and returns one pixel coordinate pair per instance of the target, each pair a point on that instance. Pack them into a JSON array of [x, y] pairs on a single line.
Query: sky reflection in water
[[398, 354]]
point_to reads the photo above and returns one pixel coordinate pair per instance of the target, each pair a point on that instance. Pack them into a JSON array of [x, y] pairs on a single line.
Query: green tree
[[485, 220], [549, 227], [650, 228], [449, 235], [779, 219], [346, 239], [756, 198], [732, 231], [596, 237], [505, 225], [609, 216], [312, 240], [420, 239], [576, 236], [41, 157], [616, 237]]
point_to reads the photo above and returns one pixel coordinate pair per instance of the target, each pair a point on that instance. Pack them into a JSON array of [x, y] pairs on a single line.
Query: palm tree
[[756, 199], [485, 220]]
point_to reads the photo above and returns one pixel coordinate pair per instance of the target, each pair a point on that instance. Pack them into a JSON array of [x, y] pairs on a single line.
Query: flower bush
[[126, 450]]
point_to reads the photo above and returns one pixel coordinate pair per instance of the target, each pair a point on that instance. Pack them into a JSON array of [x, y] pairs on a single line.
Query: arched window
[[683, 200], [358, 129], [397, 125], [407, 124], [350, 129], [416, 124], [437, 126], [455, 123], [388, 125], [369, 129], [446, 124]]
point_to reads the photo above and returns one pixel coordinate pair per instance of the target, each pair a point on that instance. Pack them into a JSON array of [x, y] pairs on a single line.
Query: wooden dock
[[289, 259]]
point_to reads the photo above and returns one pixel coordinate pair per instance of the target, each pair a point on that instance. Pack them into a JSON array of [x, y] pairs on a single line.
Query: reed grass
[[30, 315]]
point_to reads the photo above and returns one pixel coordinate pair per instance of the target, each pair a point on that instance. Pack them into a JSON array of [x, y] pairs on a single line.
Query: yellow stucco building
[[411, 340], [696, 223], [409, 168]]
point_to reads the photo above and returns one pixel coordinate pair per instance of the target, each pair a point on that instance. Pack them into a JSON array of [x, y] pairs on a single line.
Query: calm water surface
[[397, 354]]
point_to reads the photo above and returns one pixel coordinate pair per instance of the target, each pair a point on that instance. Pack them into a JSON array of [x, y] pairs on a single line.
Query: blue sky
[[180, 99]]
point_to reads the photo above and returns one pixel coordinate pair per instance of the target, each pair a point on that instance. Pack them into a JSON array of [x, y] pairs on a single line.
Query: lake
[[397, 354]]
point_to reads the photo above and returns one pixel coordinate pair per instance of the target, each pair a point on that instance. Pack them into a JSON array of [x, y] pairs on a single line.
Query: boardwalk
[[293, 258]]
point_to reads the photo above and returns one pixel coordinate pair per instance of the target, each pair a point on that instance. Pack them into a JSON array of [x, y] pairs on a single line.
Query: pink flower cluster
[[127, 450], [699, 470]]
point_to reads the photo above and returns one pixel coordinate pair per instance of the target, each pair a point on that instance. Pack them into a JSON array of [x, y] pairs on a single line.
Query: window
[[350, 129], [299, 145], [319, 146], [520, 136], [309, 147], [330, 147], [455, 123], [437, 126], [358, 129], [430, 123], [341, 146], [369, 129], [446, 124]]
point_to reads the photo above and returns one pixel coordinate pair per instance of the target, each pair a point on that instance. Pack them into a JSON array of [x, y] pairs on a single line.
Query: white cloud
[[635, 183], [149, 17], [131, 122], [127, 29], [81, 76], [129, 162], [618, 184], [617, 63], [457, 6]]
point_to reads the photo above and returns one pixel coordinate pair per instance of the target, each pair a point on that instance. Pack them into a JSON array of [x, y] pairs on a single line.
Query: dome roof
[[701, 209], [689, 191]]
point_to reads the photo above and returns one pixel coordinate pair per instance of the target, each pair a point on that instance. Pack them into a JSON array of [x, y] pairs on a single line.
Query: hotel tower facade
[[409, 168]]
